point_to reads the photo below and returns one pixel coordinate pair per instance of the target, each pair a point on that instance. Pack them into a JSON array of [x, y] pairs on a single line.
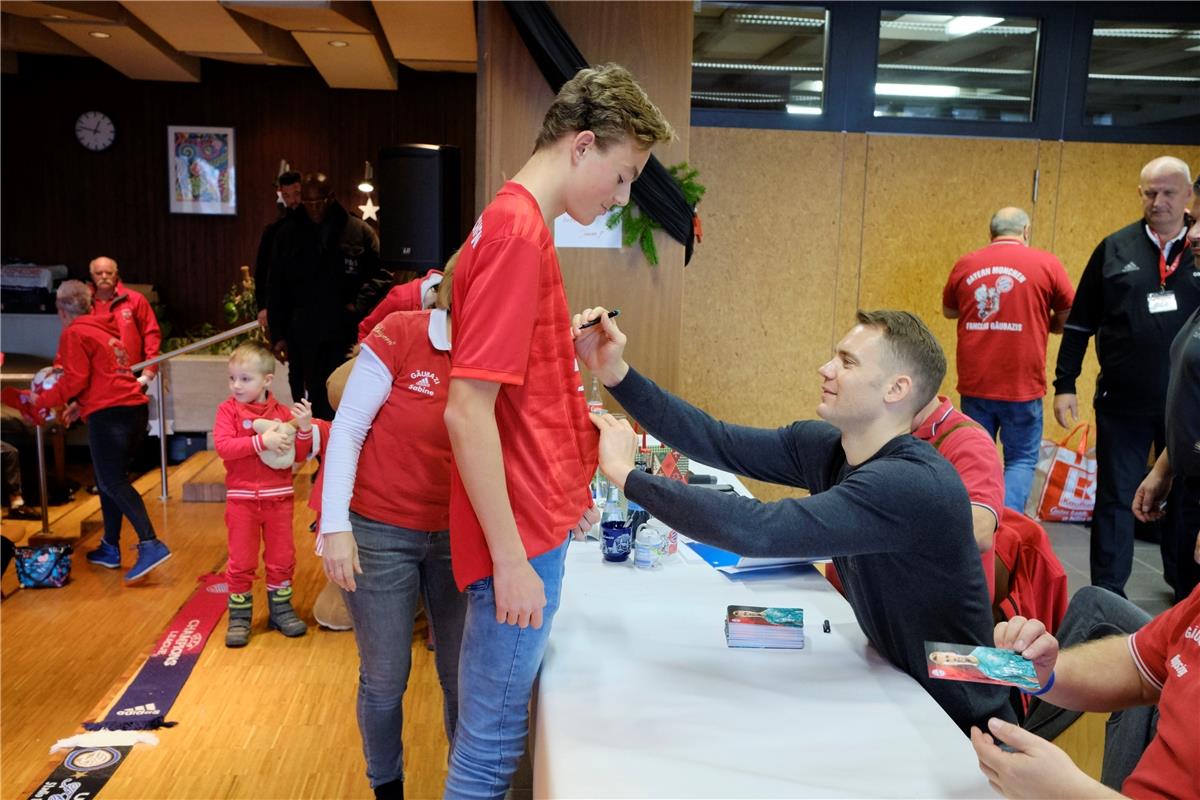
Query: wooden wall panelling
[[1042, 235], [852, 192], [654, 41], [760, 291], [928, 201], [64, 204], [1095, 194]]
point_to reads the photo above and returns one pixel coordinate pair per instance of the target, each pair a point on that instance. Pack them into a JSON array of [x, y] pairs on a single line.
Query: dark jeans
[[10, 463], [1096, 613], [114, 436], [1123, 444], [1020, 427], [1179, 534]]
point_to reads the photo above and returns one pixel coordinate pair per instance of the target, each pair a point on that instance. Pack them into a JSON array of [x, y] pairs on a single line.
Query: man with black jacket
[[1137, 289], [288, 200], [325, 277]]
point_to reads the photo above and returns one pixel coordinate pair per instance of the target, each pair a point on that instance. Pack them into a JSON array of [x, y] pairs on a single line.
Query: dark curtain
[[655, 192]]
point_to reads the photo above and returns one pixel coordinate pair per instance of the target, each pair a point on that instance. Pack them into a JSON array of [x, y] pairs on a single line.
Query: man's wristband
[[1049, 685]]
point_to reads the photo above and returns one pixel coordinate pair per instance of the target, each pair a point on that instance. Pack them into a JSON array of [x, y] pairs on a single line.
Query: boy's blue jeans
[[497, 667]]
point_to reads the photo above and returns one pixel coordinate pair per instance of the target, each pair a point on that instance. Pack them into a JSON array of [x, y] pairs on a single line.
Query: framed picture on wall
[[200, 170]]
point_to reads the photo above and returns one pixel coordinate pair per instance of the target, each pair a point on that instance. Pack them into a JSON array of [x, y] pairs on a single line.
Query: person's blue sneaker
[[150, 555], [106, 555]]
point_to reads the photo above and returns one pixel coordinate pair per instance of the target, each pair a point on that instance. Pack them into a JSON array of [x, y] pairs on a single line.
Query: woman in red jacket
[[96, 373]]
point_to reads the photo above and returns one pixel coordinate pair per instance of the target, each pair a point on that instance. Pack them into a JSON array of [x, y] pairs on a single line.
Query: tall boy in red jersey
[[524, 450]]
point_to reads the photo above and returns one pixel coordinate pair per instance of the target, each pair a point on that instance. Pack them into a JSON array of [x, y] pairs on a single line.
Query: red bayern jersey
[[972, 453], [512, 326], [403, 473], [1167, 654], [1005, 294], [402, 297]]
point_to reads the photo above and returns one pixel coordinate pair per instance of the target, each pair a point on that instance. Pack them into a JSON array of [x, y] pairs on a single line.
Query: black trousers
[[309, 365], [114, 435], [1123, 448], [1179, 530]]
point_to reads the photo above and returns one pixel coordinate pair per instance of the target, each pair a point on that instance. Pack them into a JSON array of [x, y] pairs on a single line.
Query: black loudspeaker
[[419, 219]]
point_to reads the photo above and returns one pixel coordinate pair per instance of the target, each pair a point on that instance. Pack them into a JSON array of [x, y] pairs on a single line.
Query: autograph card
[[978, 664]]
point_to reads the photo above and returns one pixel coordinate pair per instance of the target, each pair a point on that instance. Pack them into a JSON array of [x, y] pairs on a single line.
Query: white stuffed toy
[[273, 458]]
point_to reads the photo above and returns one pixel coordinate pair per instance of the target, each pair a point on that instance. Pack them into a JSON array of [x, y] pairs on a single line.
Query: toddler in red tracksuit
[[258, 504]]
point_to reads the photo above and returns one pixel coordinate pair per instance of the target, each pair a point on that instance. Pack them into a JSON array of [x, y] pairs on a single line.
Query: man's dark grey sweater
[[898, 526]]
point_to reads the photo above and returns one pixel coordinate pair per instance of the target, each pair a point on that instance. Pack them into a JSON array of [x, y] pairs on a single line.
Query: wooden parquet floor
[[273, 720]]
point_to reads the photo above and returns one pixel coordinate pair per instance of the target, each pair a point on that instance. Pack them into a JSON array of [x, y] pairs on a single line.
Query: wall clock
[[95, 130]]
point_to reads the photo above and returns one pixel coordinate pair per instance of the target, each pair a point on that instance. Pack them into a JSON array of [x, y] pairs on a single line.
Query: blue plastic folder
[[732, 564]]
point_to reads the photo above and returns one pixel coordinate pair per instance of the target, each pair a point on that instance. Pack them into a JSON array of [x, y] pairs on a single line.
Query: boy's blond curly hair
[[255, 356], [607, 101]]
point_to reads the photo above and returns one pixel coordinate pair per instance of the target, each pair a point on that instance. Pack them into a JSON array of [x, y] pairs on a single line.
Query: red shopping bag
[[1069, 490]]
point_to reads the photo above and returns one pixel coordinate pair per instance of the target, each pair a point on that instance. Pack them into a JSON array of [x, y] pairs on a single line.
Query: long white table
[[640, 697]]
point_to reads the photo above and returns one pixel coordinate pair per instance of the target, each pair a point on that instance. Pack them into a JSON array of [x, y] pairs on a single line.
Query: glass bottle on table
[[614, 510]]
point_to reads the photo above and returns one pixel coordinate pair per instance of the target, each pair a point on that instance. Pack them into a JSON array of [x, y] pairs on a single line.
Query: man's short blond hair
[[914, 350], [254, 355], [607, 101]]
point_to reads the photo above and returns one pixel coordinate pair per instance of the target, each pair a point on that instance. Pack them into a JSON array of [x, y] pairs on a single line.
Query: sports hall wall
[[654, 40], [802, 228]]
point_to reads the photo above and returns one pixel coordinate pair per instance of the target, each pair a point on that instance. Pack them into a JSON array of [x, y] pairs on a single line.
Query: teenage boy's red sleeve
[[230, 446], [494, 317]]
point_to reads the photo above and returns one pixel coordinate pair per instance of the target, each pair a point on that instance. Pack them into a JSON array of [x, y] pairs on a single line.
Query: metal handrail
[[162, 396], [216, 338], [162, 410]]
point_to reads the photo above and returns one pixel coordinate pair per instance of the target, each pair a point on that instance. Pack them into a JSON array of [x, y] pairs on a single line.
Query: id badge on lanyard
[[1163, 301]]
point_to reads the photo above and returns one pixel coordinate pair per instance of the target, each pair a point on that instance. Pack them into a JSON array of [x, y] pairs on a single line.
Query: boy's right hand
[[339, 556], [520, 595], [276, 441], [601, 347]]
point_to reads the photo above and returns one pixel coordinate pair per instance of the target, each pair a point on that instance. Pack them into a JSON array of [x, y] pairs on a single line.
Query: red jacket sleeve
[[151, 334], [303, 440], [385, 307], [76, 363], [230, 446]]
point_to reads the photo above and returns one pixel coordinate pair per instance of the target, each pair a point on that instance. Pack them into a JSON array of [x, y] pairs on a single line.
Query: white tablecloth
[[640, 697]]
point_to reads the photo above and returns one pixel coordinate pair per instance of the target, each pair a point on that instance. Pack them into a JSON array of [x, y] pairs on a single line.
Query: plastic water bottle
[[595, 403], [647, 547]]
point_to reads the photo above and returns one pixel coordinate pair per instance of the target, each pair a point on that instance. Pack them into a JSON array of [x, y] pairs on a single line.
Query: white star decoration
[[369, 210]]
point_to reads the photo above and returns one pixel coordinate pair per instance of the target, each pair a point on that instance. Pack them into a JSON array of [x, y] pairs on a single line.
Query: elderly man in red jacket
[[135, 318]]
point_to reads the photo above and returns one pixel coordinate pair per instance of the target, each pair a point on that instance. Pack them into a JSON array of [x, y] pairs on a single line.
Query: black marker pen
[[615, 312]]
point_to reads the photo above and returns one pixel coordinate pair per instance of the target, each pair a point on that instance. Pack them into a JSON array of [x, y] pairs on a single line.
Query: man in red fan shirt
[[1007, 297], [1157, 664]]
